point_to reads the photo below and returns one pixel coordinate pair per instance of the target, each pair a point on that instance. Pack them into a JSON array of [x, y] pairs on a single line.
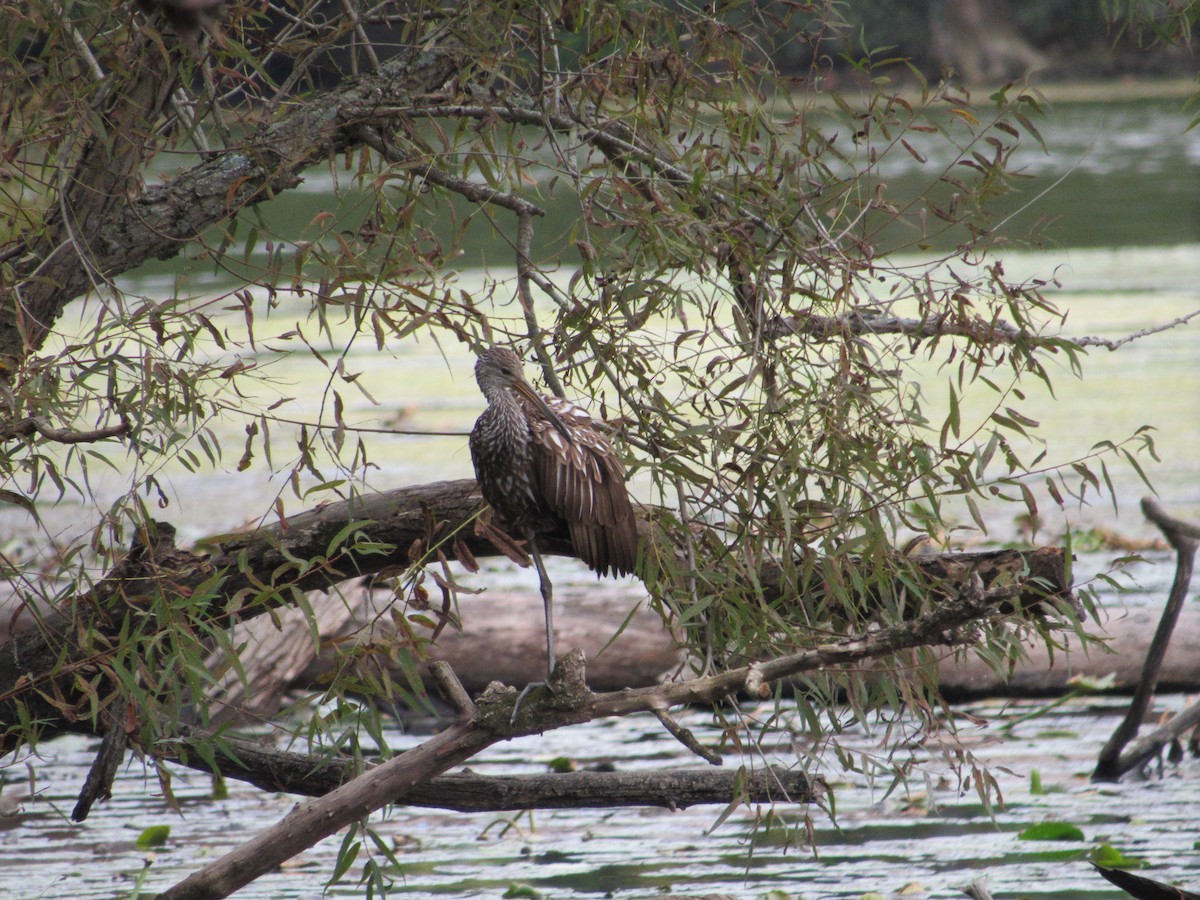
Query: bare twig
[[361, 34], [81, 46], [859, 323], [1114, 343], [41, 425], [609, 136], [533, 329], [476, 193], [1118, 756], [524, 210], [685, 736], [452, 688]]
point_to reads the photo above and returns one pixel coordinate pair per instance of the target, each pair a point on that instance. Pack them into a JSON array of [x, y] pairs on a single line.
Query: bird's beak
[[523, 388]]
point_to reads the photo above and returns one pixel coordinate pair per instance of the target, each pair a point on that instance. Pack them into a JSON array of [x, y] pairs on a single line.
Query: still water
[[924, 842], [1125, 246]]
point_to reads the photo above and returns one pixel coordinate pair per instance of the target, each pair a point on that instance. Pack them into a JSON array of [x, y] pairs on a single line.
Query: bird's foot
[[566, 684], [525, 692]]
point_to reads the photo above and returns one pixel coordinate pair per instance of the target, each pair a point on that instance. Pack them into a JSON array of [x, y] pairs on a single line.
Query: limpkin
[[541, 463]]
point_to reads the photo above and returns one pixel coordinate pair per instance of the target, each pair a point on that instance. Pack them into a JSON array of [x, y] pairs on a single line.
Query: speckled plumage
[[537, 470]]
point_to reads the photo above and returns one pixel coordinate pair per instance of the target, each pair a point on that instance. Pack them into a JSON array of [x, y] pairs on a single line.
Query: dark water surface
[[925, 841]]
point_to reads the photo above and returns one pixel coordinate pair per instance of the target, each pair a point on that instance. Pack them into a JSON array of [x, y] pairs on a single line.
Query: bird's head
[[499, 369]]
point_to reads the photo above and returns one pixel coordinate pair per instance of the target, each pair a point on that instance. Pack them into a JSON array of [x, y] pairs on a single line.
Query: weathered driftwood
[[305, 774], [1122, 753], [500, 639]]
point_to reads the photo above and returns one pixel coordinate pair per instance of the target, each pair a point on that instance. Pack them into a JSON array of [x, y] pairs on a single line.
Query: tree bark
[[113, 226], [115, 142], [310, 775], [977, 39]]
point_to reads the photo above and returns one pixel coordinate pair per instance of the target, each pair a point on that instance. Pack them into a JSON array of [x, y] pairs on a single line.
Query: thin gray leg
[[548, 601]]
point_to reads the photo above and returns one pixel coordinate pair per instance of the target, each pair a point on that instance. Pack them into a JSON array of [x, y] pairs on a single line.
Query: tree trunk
[[977, 39], [114, 225]]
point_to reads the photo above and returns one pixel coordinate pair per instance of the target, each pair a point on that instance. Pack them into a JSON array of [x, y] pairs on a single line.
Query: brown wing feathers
[[583, 483]]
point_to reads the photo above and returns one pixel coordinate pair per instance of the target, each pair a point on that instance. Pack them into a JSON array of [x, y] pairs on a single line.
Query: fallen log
[[47, 671], [310, 775], [500, 640]]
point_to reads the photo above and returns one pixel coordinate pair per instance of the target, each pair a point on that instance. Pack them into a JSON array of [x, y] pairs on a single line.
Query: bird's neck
[[507, 419], [501, 398]]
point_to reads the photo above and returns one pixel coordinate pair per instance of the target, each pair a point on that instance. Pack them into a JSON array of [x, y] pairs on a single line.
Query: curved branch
[[41, 426], [1122, 753], [122, 234]]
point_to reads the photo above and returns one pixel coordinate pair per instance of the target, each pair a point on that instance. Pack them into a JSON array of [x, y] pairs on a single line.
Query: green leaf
[[346, 857], [1051, 831], [1109, 857], [1035, 783], [154, 836], [516, 889]]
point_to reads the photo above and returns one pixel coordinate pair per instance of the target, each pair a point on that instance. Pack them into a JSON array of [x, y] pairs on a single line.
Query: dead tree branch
[[249, 574], [392, 781], [984, 331], [1119, 755], [313, 776]]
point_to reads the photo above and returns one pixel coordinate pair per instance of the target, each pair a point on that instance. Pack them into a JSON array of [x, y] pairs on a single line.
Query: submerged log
[[312, 775], [501, 640]]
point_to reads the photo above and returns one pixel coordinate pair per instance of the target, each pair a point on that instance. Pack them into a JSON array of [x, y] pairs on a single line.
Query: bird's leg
[[547, 600]]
